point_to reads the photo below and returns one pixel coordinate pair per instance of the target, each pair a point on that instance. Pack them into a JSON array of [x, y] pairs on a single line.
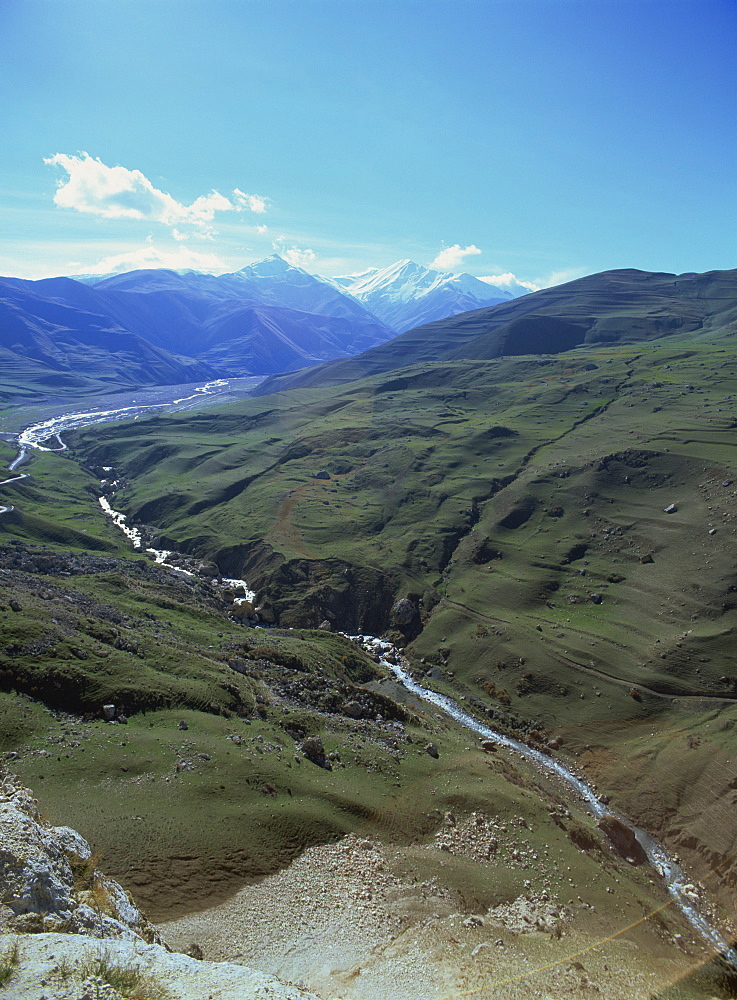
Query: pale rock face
[[39, 888], [184, 978], [56, 908], [72, 843]]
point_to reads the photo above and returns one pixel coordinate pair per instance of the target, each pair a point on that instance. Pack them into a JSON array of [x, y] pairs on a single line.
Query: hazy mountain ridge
[[138, 325], [47, 342]]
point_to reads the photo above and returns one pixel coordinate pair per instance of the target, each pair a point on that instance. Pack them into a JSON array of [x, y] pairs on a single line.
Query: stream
[[679, 886], [681, 889]]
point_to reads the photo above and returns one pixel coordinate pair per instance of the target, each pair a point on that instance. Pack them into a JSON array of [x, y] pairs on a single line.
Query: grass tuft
[[129, 979], [9, 962]]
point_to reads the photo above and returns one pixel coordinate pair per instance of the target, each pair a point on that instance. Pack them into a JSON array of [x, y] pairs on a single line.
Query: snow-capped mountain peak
[[406, 294]]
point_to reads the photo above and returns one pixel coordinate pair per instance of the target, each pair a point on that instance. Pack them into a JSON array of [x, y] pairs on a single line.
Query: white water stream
[[680, 888]]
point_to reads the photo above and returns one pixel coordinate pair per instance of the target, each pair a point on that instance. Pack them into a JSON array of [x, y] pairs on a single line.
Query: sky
[[527, 140]]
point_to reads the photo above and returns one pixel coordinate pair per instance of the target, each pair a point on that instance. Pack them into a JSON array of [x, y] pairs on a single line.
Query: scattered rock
[[183, 725], [527, 914], [670, 509], [108, 712], [322, 474], [432, 750]]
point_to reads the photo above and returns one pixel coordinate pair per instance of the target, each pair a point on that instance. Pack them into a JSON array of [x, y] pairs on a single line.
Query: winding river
[[681, 889]]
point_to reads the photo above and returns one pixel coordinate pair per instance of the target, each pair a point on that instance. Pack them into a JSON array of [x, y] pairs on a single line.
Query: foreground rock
[[49, 881], [72, 966], [623, 839], [68, 932]]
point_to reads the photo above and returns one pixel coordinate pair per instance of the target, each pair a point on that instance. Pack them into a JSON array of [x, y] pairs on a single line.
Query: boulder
[[313, 749], [354, 710], [403, 612], [622, 839], [242, 609]]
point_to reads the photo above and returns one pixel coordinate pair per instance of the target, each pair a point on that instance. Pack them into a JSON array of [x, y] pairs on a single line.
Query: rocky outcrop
[[74, 967], [68, 932], [49, 880], [314, 751], [306, 593]]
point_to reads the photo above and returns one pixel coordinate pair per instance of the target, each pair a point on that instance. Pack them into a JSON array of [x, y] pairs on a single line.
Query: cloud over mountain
[[451, 258], [94, 188], [176, 258]]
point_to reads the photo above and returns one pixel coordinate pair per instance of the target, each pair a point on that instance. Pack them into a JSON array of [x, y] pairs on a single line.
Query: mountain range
[[151, 327], [159, 327]]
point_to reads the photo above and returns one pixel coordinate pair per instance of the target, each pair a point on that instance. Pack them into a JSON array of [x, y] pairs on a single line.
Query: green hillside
[[520, 506]]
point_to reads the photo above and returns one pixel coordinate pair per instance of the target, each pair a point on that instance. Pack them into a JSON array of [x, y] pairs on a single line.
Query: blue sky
[[540, 138]]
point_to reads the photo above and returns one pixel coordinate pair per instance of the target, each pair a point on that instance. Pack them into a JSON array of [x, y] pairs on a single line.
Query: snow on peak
[[406, 294], [269, 267]]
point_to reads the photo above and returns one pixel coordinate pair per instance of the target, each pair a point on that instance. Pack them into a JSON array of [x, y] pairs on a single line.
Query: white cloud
[[509, 281], [262, 229], [253, 202], [451, 258], [560, 277], [513, 283], [299, 258], [178, 258], [119, 193], [296, 256]]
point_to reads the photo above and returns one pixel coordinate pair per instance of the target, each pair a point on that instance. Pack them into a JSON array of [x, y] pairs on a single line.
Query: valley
[[549, 539]]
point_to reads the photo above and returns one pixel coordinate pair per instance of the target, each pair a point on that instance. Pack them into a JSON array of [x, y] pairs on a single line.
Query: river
[[37, 436]]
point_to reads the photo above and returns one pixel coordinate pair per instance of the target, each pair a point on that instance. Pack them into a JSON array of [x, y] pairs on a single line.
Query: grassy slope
[[448, 481]]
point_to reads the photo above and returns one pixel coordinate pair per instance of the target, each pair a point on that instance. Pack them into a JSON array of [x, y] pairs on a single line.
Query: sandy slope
[[343, 921]]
